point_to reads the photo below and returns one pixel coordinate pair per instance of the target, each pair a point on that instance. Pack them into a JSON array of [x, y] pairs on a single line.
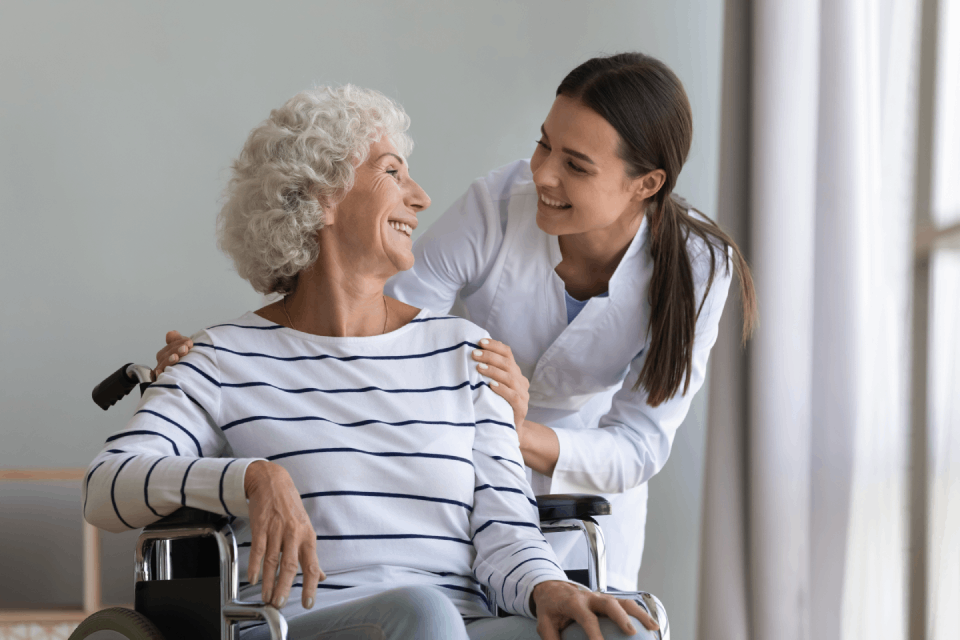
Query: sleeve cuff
[[565, 473], [232, 492]]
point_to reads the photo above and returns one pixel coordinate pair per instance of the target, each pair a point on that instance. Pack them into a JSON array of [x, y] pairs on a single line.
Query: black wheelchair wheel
[[116, 623]]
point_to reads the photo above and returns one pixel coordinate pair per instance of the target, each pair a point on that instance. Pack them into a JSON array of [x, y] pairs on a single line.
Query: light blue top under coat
[[575, 306]]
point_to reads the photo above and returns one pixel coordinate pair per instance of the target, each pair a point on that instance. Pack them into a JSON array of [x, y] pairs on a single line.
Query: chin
[[403, 262], [548, 224]]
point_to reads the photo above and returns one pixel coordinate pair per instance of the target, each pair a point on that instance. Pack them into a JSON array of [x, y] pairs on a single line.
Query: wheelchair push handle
[[121, 382]]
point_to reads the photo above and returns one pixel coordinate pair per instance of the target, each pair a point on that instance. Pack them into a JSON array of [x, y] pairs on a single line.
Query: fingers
[[258, 545], [614, 610], [271, 560], [489, 366], [311, 572], [495, 361], [489, 344], [501, 382], [589, 622], [547, 629], [288, 571], [496, 355], [638, 612], [177, 346]]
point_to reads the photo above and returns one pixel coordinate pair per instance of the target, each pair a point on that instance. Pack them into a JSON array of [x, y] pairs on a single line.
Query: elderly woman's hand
[[177, 346], [558, 604], [281, 535], [497, 363]]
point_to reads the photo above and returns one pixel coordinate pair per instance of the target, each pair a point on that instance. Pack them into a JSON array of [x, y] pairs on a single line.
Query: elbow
[[639, 464], [101, 516], [98, 508]]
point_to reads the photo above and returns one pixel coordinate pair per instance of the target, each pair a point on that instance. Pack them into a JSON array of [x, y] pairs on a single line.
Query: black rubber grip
[[113, 388], [578, 506], [188, 516]]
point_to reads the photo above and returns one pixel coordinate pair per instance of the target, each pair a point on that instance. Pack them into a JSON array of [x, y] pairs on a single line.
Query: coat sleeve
[[171, 454], [512, 555], [633, 440], [458, 250]]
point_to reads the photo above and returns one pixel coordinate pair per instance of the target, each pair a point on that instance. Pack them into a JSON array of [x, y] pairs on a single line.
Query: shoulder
[[246, 333], [503, 181], [482, 208], [444, 327], [249, 324]]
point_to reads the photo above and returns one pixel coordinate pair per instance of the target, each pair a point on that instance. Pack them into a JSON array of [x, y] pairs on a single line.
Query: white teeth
[[401, 227], [554, 203]]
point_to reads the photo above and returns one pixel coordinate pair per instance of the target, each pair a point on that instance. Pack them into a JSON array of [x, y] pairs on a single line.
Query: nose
[[416, 198], [545, 172]]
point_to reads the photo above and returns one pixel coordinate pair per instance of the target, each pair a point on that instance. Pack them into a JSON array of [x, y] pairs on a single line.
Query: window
[[935, 579]]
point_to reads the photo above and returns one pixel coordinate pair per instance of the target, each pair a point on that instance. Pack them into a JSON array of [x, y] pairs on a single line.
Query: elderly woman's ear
[[329, 207]]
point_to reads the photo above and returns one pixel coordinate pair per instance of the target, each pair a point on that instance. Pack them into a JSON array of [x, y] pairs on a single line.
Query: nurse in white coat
[[557, 257], [604, 291]]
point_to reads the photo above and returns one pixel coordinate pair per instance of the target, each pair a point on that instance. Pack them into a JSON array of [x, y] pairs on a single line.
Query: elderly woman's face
[[373, 223]]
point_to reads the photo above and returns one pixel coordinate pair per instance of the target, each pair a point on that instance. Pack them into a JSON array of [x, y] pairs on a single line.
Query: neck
[[333, 301], [600, 250]]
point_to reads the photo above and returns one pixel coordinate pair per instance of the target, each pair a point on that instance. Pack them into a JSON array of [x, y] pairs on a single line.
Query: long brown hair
[[646, 103]]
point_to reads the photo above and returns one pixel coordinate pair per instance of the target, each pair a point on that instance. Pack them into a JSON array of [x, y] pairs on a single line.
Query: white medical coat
[[488, 249]]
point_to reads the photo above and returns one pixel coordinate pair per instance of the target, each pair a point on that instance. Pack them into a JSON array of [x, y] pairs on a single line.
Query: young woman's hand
[[177, 346], [558, 604], [496, 362], [282, 535]]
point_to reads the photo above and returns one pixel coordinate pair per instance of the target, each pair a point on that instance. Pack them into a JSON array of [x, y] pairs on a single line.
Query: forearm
[[610, 459], [130, 490], [540, 447], [512, 555]]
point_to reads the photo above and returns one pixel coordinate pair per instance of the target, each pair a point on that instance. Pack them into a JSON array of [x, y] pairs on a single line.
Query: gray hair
[[299, 159]]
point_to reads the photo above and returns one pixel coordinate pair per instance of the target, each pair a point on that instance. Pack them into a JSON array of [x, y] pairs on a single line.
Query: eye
[[395, 173], [543, 144], [575, 167]]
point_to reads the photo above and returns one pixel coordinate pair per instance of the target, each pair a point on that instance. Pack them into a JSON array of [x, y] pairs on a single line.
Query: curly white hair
[[298, 159]]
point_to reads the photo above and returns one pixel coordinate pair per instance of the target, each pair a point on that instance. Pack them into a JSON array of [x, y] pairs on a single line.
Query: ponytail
[[674, 308]]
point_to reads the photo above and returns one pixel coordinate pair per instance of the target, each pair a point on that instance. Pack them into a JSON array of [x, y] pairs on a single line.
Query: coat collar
[[627, 263]]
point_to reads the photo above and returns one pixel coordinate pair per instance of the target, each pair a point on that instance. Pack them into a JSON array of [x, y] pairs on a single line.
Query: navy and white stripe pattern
[[408, 464]]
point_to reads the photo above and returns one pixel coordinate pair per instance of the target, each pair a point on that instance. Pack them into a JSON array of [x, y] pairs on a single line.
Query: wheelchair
[[186, 570]]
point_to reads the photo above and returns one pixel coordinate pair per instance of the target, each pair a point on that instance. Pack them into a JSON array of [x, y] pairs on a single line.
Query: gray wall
[[117, 124]]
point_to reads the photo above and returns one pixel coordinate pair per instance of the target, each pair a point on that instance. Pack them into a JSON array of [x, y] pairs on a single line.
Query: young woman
[[603, 290]]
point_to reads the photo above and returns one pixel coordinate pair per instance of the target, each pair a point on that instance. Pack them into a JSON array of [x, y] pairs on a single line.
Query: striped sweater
[[407, 463]]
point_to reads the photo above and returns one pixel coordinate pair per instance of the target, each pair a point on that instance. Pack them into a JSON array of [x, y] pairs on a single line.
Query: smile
[[402, 227], [556, 204]]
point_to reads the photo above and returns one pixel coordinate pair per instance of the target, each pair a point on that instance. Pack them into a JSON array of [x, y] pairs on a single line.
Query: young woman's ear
[[647, 185]]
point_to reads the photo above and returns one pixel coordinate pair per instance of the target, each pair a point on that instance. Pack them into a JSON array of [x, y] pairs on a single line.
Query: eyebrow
[[390, 153], [575, 154]]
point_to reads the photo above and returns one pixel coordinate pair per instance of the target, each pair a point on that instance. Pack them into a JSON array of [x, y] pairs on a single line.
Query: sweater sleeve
[[171, 454], [512, 555], [634, 439]]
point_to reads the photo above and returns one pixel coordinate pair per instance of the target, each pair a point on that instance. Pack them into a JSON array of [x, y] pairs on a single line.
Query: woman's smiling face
[[372, 224], [581, 180]]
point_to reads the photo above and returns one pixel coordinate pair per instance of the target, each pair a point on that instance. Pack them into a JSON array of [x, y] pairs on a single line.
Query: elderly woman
[[342, 428]]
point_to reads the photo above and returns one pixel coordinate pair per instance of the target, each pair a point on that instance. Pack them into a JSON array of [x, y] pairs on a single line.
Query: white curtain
[[804, 529], [943, 612]]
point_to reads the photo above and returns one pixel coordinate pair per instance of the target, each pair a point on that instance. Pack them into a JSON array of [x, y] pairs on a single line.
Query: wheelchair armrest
[[190, 517], [577, 506]]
